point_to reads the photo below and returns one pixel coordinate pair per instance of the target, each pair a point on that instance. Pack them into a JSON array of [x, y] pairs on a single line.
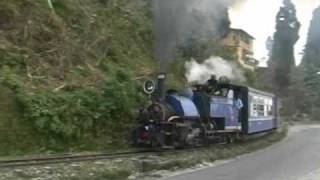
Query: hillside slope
[[69, 74]]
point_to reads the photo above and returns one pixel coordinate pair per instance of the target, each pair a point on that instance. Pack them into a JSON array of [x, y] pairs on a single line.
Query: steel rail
[[70, 158]]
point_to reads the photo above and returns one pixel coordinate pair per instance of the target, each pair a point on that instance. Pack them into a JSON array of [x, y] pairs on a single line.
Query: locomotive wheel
[[157, 142], [180, 135], [230, 138], [203, 136]]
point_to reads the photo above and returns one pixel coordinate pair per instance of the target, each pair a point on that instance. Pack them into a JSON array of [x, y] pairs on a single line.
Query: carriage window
[[261, 110], [268, 104], [260, 106], [254, 109]]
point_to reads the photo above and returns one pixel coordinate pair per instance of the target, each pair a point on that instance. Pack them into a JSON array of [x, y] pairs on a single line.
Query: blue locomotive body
[[207, 114], [183, 106]]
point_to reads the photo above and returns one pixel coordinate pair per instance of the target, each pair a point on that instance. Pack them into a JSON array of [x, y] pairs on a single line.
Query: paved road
[[295, 158]]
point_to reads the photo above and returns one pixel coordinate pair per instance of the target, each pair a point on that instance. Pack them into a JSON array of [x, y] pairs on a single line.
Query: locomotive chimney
[[161, 86]]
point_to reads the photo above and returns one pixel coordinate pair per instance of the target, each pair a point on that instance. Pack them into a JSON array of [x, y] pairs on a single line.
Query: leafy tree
[[286, 35], [311, 63], [312, 51]]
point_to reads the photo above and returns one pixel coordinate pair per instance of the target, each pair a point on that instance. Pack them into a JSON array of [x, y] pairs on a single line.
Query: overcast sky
[[257, 17]]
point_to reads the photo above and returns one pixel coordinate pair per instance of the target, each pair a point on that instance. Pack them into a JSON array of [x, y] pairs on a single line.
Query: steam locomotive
[[216, 111]]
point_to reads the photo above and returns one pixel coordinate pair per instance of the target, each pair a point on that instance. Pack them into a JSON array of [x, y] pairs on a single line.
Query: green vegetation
[[309, 77], [70, 77], [83, 115], [297, 85]]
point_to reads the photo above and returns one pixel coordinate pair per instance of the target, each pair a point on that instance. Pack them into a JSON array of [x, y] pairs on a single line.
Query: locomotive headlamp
[[149, 87]]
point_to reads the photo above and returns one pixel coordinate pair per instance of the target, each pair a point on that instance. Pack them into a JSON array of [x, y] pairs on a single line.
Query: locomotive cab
[[218, 104]]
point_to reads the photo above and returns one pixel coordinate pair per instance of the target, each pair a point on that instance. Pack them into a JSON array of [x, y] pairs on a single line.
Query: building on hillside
[[241, 43]]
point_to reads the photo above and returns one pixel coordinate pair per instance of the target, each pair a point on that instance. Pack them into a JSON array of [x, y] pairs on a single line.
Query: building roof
[[242, 32]]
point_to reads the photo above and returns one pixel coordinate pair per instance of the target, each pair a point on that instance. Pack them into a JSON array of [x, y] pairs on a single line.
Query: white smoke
[[200, 73]]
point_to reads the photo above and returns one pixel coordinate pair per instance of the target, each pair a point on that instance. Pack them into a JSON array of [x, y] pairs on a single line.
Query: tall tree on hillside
[[311, 64], [286, 35], [312, 51]]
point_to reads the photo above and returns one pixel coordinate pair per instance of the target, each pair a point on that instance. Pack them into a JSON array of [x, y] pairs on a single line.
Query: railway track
[[70, 158], [95, 157], [90, 157], [81, 158]]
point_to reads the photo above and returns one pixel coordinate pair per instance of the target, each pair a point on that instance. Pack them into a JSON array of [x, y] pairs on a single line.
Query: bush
[[70, 117], [10, 79]]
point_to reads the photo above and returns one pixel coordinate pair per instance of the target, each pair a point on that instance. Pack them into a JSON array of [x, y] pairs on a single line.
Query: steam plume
[[177, 20], [200, 73]]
